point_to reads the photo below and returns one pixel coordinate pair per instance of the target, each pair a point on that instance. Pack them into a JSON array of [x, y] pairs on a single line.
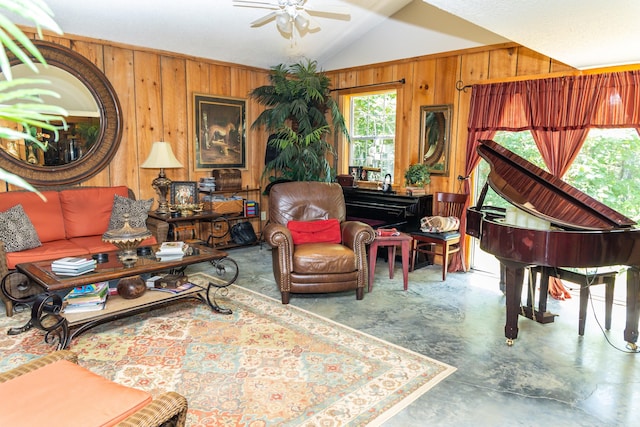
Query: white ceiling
[[581, 33]]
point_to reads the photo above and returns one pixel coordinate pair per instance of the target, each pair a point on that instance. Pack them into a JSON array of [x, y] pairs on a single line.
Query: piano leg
[[633, 307], [541, 315], [514, 276]]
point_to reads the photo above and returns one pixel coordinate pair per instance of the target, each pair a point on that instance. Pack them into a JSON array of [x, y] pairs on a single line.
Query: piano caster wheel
[[509, 342]]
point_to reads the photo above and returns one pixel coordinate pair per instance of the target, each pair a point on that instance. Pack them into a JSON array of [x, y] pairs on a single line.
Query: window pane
[[372, 130]]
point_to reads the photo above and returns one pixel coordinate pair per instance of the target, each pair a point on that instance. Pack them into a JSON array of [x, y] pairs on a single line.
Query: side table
[[390, 242]]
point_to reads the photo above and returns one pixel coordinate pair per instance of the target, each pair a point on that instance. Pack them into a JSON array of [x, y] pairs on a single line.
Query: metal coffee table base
[[46, 307]]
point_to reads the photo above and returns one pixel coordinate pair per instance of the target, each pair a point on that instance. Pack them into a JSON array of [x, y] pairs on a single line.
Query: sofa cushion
[[17, 231], [94, 244], [92, 400], [46, 216], [87, 211], [319, 231], [137, 209], [49, 250], [323, 258]]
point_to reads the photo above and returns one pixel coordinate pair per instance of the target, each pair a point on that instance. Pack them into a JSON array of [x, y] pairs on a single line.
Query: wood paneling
[[156, 96]]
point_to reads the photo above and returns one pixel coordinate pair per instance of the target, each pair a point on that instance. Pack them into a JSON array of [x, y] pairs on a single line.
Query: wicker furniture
[[169, 408]]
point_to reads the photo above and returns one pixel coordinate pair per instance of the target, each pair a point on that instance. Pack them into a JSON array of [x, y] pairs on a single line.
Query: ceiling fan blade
[[330, 11], [312, 25], [261, 21], [256, 4]]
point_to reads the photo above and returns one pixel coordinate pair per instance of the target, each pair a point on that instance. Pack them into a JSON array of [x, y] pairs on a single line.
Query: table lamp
[[161, 157]]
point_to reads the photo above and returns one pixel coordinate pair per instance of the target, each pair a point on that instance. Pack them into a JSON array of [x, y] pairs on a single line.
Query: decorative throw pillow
[[137, 209], [319, 231], [16, 230]]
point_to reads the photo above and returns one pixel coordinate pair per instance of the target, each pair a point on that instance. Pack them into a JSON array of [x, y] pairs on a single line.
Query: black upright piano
[[583, 233], [380, 209]]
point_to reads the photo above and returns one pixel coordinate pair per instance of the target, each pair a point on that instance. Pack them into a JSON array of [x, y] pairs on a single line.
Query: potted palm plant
[[298, 103], [19, 101]]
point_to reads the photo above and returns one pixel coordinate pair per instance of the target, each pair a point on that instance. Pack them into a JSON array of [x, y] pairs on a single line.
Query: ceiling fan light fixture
[[283, 21], [302, 23]]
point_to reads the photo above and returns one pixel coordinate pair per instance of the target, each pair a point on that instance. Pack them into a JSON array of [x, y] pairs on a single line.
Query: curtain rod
[[401, 81]]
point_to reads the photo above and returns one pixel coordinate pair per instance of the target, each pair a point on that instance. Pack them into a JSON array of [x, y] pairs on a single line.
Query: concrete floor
[[550, 377]]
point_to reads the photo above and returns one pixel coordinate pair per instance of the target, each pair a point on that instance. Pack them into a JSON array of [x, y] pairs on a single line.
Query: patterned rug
[[267, 364]]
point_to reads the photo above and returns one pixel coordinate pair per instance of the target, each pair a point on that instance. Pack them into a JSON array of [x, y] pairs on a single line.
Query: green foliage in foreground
[[607, 168]]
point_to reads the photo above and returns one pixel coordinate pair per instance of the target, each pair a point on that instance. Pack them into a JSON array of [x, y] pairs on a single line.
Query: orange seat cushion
[[65, 394], [49, 250]]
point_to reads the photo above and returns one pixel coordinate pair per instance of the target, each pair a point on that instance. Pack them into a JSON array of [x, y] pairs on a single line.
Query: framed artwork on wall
[[184, 193], [220, 132], [435, 131]]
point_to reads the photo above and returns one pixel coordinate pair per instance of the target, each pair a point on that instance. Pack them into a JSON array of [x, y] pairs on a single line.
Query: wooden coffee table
[[46, 311]]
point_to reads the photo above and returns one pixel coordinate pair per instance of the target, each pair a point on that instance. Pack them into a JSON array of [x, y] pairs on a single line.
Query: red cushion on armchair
[[319, 231]]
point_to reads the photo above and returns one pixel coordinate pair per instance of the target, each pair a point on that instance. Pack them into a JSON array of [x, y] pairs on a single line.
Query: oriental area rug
[[266, 364]]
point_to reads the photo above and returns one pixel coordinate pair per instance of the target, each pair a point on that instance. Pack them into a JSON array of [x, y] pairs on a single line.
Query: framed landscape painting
[[220, 132]]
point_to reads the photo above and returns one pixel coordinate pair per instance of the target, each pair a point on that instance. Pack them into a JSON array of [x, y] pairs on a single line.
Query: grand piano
[[380, 209], [583, 232]]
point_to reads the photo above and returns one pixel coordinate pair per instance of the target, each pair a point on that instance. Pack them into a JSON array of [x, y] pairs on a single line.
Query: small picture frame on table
[[184, 193], [355, 172]]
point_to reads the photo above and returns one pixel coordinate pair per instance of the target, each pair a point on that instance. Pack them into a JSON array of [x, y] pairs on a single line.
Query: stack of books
[[170, 251], [86, 298], [73, 266], [250, 208]]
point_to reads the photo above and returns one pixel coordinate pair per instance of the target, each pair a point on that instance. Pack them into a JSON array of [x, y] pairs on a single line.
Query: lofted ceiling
[[580, 33]]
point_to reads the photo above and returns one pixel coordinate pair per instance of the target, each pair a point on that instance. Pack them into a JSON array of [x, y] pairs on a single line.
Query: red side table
[[391, 242]]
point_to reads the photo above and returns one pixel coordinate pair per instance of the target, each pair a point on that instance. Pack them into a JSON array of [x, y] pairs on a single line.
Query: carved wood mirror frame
[[435, 131], [108, 140]]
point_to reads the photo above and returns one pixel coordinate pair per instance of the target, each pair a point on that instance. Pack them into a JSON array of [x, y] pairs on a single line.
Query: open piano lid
[[543, 195]]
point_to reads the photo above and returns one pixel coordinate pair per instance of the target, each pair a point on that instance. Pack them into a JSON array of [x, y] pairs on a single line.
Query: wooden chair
[[445, 243]]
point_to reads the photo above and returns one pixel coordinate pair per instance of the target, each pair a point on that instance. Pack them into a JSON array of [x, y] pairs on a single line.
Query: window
[[372, 127], [605, 168]]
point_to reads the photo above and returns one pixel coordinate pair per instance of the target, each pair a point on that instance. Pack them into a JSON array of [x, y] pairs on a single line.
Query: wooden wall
[[433, 80], [156, 90]]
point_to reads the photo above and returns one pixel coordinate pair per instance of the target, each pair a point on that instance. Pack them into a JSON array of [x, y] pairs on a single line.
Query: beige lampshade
[[161, 156]]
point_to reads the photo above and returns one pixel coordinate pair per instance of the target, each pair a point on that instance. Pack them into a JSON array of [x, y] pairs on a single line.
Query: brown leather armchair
[[315, 267]]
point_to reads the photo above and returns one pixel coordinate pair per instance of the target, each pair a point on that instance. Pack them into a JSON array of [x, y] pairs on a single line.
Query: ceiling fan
[[293, 13]]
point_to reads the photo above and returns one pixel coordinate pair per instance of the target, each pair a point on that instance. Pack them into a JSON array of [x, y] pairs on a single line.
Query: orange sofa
[[70, 222]]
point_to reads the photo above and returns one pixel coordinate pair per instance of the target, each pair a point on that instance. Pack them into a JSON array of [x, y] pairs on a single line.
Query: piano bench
[[585, 280]]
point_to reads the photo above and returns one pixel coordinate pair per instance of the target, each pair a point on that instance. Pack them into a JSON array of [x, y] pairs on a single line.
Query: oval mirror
[[94, 122]]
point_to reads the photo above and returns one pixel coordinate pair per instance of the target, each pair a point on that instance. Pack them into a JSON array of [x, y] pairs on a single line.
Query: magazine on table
[[73, 272], [184, 287], [72, 262], [88, 294], [83, 308]]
